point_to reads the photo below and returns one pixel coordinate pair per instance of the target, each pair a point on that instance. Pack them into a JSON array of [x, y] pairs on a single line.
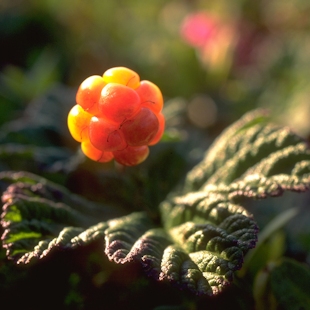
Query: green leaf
[[283, 285], [28, 185], [44, 121], [39, 215], [290, 282], [36, 141], [263, 160], [224, 148], [270, 231], [67, 238], [36, 159], [200, 237], [212, 236], [199, 258]]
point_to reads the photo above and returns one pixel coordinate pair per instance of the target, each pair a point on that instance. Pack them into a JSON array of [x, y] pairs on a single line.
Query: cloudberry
[[117, 116]]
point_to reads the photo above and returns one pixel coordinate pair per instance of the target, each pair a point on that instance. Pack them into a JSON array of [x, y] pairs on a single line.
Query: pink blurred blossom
[[198, 28], [213, 38]]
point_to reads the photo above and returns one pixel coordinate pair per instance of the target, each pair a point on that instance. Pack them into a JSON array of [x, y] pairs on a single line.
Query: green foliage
[[253, 159], [192, 255], [29, 85], [33, 216], [203, 234], [200, 233], [282, 285], [290, 293]]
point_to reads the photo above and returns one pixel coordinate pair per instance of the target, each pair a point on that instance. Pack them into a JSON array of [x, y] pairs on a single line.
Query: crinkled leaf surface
[[196, 254], [204, 233], [213, 233], [39, 215], [255, 159]]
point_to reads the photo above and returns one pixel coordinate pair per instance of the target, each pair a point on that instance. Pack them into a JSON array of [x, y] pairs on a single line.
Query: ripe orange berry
[[118, 102], [89, 92], [151, 96], [78, 122], [93, 153], [141, 128], [132, 155], [105, 135], [161, 129], [117, 116], [122, 76]]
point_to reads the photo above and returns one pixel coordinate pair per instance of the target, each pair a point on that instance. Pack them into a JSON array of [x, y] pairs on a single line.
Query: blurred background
[[224, 58]]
